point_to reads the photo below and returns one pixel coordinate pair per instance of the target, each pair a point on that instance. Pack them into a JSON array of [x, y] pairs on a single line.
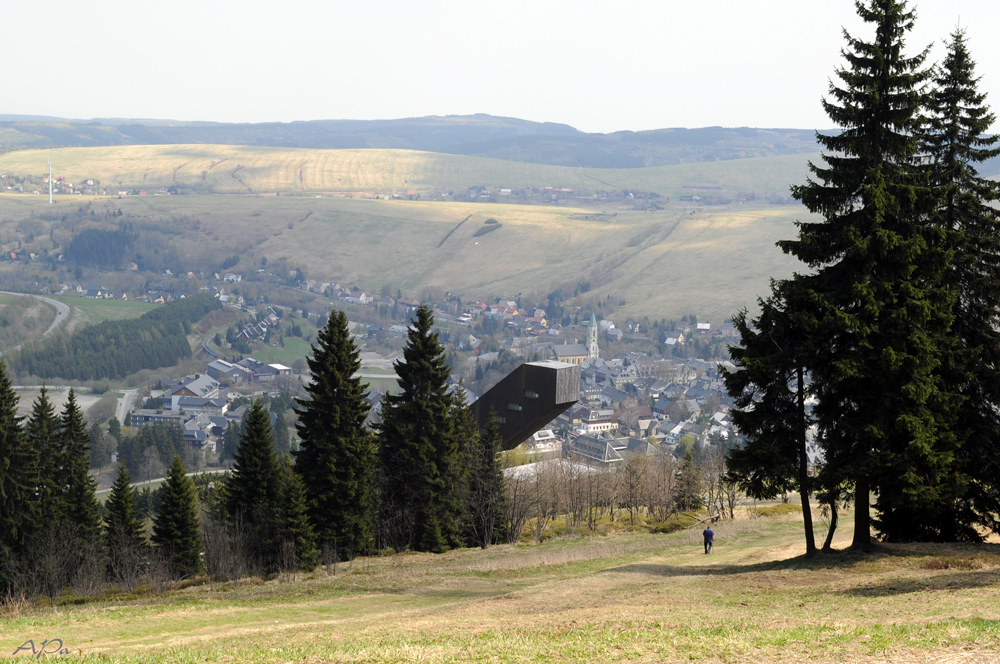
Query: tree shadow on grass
[[950, 581], [938, 557], [974, 565], [817, 562]]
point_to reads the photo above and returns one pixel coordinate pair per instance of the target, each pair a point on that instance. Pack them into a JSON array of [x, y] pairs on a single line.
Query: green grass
[[626, 597], [294, 349], [93, 311], [388, 385]]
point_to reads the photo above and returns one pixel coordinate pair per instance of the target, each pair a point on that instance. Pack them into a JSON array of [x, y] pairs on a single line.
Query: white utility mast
[[50, 183]]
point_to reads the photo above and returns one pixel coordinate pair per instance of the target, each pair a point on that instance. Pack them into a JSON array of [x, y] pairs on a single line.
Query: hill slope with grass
[[229, 169], [686, 258], [475, 135], [629, 597]]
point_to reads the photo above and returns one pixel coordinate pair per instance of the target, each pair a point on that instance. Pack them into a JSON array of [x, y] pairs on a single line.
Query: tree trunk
[[862, 516], [828, 544], [804, 468]]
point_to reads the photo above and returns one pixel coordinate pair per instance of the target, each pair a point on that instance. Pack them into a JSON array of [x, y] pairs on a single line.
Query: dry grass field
[[228, 169], [705, 260], [627, 597], [688, 258], [22, 319]]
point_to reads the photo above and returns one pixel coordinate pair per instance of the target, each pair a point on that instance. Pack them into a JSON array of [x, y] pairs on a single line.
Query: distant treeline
[[476, 136], [101, 248], [115, 349]]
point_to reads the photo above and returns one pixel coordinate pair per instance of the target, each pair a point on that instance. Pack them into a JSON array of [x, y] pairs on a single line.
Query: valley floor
[[629, 597]]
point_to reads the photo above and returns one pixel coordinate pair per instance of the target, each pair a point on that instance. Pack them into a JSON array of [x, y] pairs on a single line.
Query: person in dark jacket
[[709, 536]]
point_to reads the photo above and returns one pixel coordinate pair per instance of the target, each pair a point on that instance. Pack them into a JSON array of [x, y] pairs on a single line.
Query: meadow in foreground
[[627, 597]]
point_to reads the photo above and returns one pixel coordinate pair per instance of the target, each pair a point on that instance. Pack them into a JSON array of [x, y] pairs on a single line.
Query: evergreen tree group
[[265, 499], [51, 522], [425, 480], [895, 322]]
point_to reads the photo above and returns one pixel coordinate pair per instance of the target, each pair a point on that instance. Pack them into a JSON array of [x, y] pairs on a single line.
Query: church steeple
[[592, 349]]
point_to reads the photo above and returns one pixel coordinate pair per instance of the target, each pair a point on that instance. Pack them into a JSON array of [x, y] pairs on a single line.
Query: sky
[[598, 66]]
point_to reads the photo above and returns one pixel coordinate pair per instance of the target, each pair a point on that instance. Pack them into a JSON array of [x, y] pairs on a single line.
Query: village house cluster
[[199, 404]]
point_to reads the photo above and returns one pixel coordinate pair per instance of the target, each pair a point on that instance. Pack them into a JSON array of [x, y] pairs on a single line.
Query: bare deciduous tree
[[661, 485]]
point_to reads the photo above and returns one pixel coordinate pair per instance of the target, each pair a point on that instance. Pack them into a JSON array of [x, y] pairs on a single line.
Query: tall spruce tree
[[79, 488], [42, 433], [254, 481], [175, 525], [124, 532], [876, 284], [769, 391], [420, 498], [337, 456], [956, 141], [17, 510], [253, 488]]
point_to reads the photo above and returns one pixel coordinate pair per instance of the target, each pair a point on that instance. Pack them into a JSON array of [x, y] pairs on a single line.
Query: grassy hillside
[[22, 319], [235, 169], [685, 259], [630, 597], [84, 311], [477, 135]]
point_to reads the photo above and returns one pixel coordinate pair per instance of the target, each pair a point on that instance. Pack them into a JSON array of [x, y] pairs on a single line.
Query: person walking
[[709, 536]]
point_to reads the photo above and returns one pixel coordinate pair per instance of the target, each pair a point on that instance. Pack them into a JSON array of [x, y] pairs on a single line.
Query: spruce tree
[[336, 458], [420, 498], [230, 440], [175, 525], [17, 510], [124, 532], [42, 433], [294, 524], [254, 482], [79, 488], [875, 284], [252, 490], [689, 484], [769, 391], [956, 141]]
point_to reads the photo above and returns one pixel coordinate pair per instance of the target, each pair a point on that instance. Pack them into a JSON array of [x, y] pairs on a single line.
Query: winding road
[[62, 315]]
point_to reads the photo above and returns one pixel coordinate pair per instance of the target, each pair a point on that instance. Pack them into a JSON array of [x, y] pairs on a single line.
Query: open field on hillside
[[22, 319], [628, 597], [86, 311], [227, 169], [705, 260]]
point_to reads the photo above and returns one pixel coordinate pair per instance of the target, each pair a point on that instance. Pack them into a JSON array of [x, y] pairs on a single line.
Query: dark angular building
[[528, 398]]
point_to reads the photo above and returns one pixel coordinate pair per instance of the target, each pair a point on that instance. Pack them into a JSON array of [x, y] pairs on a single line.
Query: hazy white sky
[[599, 66]]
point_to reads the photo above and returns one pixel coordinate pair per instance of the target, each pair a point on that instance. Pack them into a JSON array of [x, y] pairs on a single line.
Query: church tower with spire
[[592, 338]]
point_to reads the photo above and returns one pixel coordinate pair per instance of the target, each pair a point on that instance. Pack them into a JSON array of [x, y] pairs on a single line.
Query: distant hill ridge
[[478, 135]]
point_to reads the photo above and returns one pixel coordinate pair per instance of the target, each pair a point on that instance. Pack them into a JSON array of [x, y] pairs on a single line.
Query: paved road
[[125, 405], [62, 315], [162, 479]]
